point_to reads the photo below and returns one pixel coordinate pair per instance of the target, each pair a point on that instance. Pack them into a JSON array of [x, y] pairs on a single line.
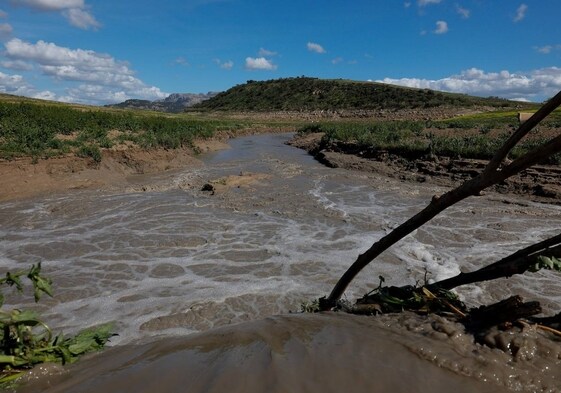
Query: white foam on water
[[178, 260]]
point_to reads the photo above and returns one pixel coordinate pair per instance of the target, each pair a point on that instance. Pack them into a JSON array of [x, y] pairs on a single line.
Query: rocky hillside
[[175, 103], [311, 94]]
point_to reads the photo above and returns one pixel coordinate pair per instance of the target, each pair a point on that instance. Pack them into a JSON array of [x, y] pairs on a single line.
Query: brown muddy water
[[199, 284]]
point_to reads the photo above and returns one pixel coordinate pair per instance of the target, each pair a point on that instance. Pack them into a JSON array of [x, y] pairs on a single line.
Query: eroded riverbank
[[164, 259], [119, 168], [328, 352], [541, 183]]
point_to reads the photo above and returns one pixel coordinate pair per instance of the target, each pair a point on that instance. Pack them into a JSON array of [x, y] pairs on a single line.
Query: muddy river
[[199, 284]]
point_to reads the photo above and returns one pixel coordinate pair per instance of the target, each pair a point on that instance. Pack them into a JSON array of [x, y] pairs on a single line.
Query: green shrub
[[90, 151]]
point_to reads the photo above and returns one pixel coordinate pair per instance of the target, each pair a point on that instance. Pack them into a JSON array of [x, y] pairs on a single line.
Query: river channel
[[164, 259]]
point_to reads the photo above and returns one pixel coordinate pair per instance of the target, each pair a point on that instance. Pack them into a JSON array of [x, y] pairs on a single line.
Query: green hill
[[309, 94]]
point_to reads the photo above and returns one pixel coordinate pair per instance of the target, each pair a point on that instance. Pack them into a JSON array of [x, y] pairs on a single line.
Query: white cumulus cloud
[[17, 85], [50, 5], [17, 65], [227, 65], [5, 30], [45, 95], [259, 63], [544, 49], [441, 27], [75, 11], [266, 53], [423, 3], [464, 12], [182, 61], [520, 13], [547, 49], [81, 18], [12, 83], [96, 70], [535, 85], [88, 93], [314, 47]]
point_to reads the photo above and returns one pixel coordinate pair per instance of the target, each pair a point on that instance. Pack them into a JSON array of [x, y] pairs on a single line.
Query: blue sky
[[101, 51]]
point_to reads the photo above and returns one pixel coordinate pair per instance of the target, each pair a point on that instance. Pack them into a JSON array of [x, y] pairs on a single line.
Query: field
[[41, 129], [470, 136], [32, 128]]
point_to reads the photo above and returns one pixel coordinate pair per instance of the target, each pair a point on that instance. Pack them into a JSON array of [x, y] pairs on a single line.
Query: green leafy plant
[[310, 307], [26, 341], [391, 299], [548, 263]]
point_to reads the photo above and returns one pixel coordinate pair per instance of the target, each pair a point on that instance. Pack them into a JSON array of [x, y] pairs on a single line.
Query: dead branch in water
[[516, 263], [505, 311], [492, 174]]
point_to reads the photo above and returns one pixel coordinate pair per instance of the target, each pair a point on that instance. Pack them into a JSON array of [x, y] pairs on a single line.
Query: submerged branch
[[516, 263], [491, 175]]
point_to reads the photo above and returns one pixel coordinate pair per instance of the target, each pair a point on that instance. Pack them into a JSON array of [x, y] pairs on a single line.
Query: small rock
[[208, 187]]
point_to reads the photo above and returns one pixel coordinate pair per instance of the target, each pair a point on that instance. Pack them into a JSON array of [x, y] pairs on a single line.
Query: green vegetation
[[309, 94], [26, 341], [417, 298], [91, 151], [395, 136], [476, 136], [41, 130], [546, 263]]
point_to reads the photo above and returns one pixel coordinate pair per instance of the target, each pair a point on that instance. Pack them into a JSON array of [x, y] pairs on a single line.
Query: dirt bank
[[355, 114], [541, 183], [119, 168], [327, 352]]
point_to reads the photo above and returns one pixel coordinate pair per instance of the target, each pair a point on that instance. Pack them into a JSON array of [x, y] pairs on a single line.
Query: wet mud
[[199, 284], [317, 353], [540, 183]]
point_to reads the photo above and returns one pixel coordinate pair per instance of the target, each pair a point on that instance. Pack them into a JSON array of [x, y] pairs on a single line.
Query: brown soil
[[541, 182], [356, 114], [120, 165], [243, 180]]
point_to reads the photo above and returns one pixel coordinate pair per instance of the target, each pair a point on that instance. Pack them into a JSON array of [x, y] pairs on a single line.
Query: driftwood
[[495, 172], [505, 311], [553, 322], [516, 263]]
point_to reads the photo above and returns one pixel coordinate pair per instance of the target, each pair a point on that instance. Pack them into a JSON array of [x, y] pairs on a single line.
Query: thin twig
[[549, 329], [541, 327]]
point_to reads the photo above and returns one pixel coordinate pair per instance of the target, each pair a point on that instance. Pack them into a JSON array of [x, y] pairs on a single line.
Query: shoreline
[[541, 183], [120, 168], [291, 353], [269, 341], [125, 167]]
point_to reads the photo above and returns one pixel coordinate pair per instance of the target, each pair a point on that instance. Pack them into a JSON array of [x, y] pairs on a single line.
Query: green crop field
[[43, 129], [475, 136]]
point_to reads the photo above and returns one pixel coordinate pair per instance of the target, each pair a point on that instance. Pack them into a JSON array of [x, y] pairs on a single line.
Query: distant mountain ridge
[[176, 102], [305, 94]]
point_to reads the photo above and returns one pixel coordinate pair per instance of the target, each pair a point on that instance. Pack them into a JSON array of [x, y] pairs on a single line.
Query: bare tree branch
[[492, 174], [524, 129], [516, 263]]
